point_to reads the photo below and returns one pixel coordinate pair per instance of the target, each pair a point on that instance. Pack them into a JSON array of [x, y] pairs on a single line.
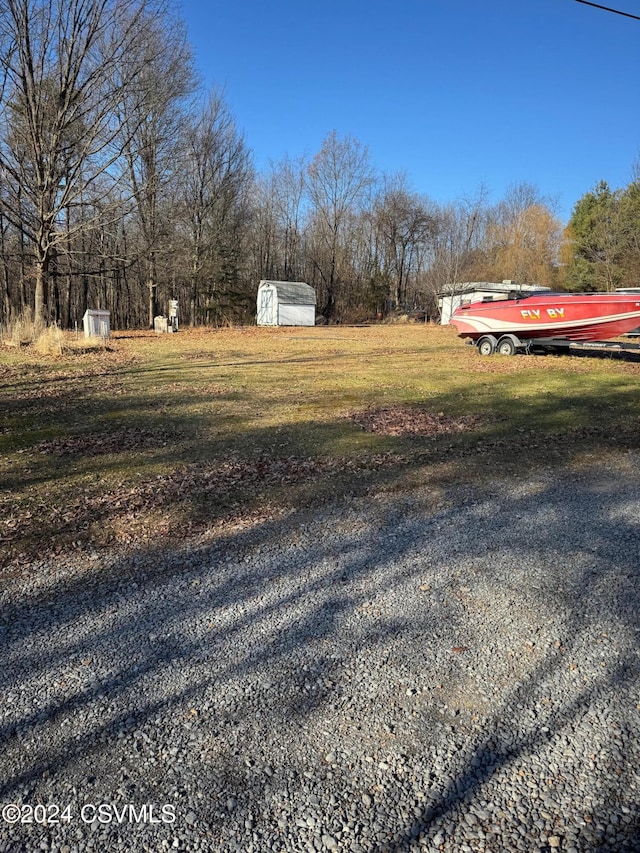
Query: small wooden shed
[[286, 303]]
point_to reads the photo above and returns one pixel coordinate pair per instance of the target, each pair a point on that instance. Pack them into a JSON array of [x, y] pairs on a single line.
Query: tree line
[[602, 239], [123, 184]]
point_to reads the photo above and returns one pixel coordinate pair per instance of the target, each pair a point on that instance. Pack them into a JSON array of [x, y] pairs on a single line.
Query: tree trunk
[[330, 303], [195, 266], [40, 296], [6, 300], [152, 302], [23, 272], [68, 292], [192, 306]]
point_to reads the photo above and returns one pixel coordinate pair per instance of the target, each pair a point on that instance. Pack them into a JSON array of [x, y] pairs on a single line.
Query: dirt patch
[[409, 420]]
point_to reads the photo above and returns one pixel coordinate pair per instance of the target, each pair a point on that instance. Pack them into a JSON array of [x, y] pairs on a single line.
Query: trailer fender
[[487, 345], [508, 345]]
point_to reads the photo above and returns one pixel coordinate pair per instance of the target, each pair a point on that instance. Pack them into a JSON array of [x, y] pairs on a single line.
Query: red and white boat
[[522, 320]]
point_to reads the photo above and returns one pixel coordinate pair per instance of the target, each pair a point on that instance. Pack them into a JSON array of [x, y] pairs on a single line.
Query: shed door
[[266, 307]]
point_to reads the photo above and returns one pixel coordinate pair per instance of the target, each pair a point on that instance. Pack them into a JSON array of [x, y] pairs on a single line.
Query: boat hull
[[571, 316]]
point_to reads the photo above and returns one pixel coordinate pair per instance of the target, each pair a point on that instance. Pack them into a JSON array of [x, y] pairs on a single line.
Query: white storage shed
[[286, 303], [96, 323]]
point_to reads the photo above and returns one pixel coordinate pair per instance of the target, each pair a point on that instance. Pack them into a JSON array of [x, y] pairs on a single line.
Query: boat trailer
[[511, 344]]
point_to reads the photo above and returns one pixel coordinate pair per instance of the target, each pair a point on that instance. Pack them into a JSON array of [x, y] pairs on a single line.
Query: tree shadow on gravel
[[589, 575], [356, 625]]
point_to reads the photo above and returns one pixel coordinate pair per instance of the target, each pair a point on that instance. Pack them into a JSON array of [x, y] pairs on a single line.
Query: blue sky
[[454, 93]]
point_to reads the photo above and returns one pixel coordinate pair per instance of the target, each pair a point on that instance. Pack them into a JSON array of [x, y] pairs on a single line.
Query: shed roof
[[293, 292]]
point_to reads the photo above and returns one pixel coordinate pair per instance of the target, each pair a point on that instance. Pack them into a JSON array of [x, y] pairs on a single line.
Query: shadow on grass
[[256, 656], [147, 456]]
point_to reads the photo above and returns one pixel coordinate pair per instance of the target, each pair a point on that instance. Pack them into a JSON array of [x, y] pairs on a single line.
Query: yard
[[153, 437]]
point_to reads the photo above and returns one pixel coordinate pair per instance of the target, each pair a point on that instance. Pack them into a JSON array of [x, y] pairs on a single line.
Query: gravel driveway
[[377, 676]]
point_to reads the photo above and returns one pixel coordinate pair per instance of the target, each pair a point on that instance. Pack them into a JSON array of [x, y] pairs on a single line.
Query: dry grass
[[19, 331], [49, 341]]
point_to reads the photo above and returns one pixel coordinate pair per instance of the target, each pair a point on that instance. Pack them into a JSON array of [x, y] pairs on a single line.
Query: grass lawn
[[167, 436]]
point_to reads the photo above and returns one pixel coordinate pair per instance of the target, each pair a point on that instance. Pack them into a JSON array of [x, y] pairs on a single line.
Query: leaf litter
[[400, 421]]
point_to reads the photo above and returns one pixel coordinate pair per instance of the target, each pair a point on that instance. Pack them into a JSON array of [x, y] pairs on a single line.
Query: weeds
[[22, 332], [19, 331]]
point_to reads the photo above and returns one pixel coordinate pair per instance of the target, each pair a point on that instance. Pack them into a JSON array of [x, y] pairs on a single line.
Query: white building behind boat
[[455, 295]]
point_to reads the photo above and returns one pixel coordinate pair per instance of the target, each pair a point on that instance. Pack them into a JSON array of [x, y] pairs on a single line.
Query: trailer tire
[[506, 346], [487, 345]]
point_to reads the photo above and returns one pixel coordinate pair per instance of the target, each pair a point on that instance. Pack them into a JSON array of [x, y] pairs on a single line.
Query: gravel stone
[[402, 672]]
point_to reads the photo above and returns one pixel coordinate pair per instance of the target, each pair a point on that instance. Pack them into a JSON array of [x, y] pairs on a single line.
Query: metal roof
[[292, 292], [489, 287]]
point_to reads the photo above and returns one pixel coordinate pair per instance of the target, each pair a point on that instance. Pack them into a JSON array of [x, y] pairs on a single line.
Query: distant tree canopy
[[123, 185], [602, 249]]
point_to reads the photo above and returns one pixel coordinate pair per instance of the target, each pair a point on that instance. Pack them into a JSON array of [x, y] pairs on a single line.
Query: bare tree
[[62, 63], [217, 172], [458, 245], [264, 238], [406, 226], [280, 219], [289, 187], [338, 180], [151, 116]]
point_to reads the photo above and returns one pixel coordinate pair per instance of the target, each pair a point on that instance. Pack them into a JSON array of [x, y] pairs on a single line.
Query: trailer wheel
[[506, 346], [487, 345]]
